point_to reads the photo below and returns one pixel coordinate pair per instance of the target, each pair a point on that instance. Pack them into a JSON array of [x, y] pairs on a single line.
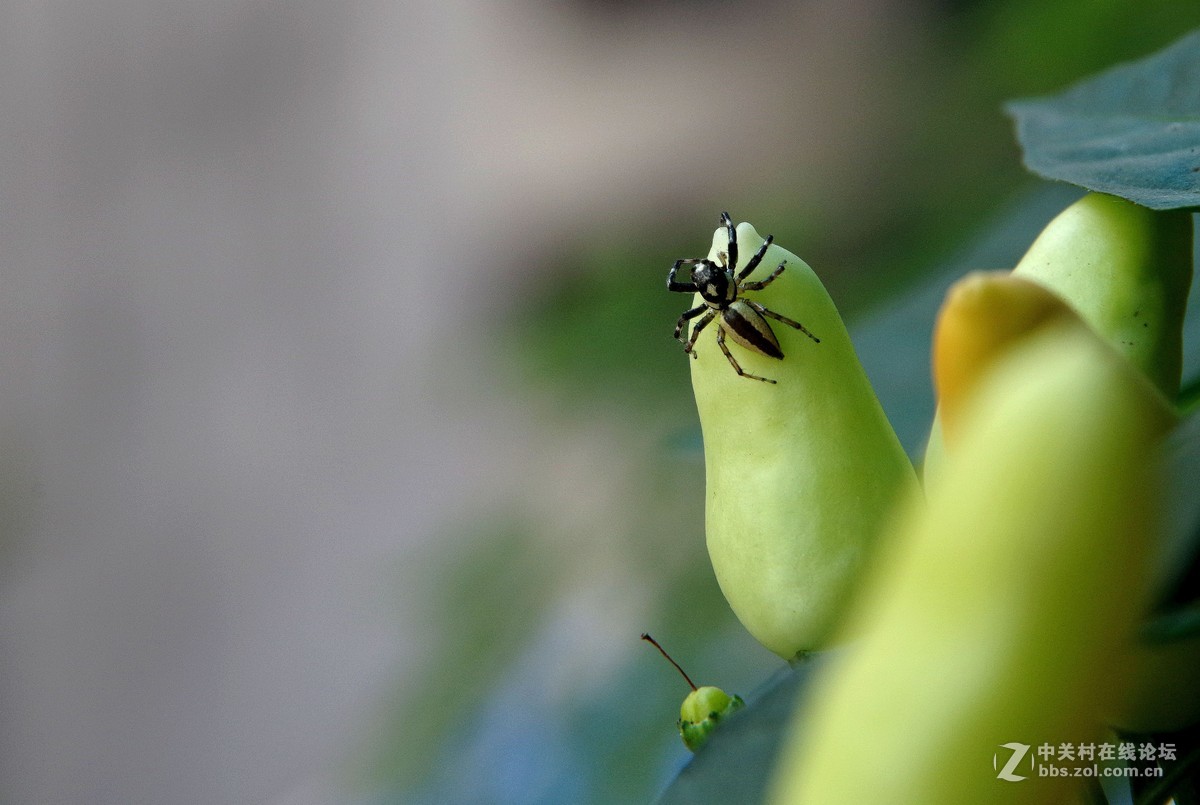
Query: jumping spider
[[741, 318]]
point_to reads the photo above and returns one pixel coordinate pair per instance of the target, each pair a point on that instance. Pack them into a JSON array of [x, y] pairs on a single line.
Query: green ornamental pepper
[[801, 471], [1126, 269]]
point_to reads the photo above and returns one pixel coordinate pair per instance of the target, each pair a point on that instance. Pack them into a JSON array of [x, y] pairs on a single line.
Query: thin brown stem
[[663, 652]]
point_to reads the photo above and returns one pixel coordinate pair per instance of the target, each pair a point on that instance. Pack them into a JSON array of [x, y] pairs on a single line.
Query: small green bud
[[703, 708]]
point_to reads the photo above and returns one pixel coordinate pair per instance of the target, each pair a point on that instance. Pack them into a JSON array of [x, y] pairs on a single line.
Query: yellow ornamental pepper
[[998, 613], [984, 314], [1126, 269], [802, 464]]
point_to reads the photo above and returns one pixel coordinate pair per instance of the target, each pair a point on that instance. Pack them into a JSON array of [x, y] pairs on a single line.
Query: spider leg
[[756, 259], [772, 314], [734, 363], [758, 286], [682, 287], [700, 325], [683, 320], [732, 255]]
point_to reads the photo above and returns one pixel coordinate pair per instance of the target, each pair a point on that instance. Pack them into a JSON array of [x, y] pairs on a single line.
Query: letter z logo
[[1018, 754]]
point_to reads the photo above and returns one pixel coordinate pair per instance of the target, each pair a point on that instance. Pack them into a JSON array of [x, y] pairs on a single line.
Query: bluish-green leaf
[[1132, 131]]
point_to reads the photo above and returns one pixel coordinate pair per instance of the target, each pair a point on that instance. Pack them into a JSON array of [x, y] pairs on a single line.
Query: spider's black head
[[714, 283]]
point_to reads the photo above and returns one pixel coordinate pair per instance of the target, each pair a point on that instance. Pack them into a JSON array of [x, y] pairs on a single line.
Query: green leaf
[[1132, 131]]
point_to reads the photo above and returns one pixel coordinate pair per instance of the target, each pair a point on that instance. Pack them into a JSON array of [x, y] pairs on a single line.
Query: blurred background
[[344, 449]]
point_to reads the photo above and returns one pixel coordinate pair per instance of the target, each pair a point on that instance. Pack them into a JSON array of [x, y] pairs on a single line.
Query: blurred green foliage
[[585, 340], [499, 589]]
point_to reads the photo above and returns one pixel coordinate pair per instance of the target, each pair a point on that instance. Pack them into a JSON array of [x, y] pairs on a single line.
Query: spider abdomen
[[747, 327]]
